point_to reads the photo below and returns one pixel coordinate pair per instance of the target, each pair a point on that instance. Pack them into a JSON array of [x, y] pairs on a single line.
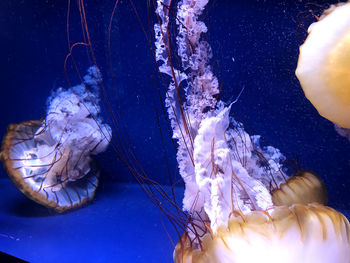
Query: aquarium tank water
[[175, 131]]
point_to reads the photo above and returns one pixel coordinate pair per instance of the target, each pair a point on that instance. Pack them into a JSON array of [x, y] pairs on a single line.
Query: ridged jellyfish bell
[[241, 205], [49, 160], [304, 187], [324, 65]]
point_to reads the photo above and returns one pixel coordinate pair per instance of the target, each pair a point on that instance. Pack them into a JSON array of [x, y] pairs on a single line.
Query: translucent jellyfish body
[[241, 204], [324, 65], [50, 160]]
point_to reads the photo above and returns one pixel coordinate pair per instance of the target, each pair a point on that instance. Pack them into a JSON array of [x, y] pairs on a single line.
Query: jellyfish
[[50, 160], [241, 204], [324, 68]]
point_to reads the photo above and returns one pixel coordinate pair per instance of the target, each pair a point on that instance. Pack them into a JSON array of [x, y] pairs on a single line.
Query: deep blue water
[[255, 45]]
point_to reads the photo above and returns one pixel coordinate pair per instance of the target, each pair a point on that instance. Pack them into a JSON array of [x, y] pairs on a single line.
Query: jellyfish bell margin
[[242, 205], [34, 171], [304, 187], [49, 160]]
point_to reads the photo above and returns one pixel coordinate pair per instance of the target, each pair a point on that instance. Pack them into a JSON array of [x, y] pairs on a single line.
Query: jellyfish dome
[[50, 160], [324, 65]]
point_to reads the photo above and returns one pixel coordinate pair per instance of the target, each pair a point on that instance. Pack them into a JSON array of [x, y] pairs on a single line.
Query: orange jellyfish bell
[[324, 65], [302, 188]]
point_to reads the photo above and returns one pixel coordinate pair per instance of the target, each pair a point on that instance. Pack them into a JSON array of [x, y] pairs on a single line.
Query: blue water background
[[255, 45]]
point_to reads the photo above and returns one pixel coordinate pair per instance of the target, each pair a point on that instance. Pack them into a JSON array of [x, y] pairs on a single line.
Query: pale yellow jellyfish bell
[[296, 231], [324, 65], [297, 234]]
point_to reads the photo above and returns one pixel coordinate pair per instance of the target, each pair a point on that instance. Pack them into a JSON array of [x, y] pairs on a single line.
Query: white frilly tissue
[[218, 160], [73, 121]]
